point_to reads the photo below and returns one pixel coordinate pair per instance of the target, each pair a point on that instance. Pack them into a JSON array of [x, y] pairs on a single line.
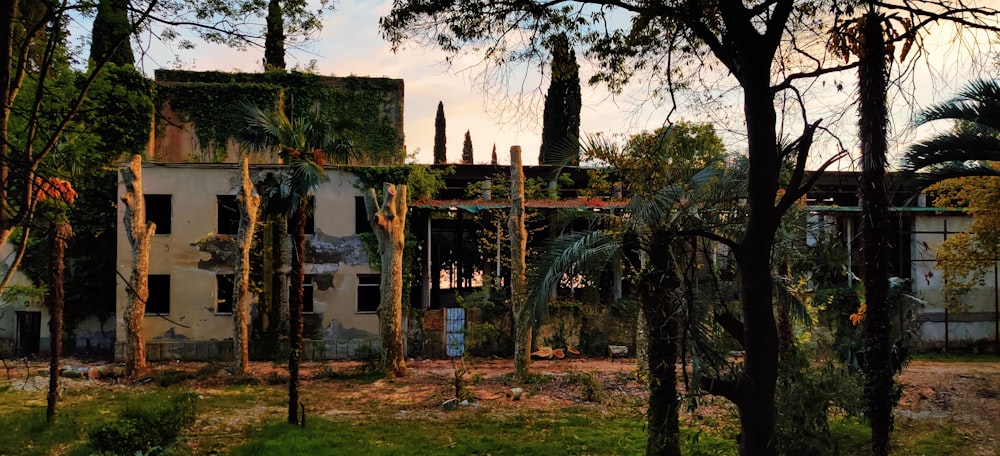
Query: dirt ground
[[963, 395]]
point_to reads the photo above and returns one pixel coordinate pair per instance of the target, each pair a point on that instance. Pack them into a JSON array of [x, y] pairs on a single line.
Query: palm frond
[[585, 253], [262, 131], [978, 102], [963, 146], [923, 180]]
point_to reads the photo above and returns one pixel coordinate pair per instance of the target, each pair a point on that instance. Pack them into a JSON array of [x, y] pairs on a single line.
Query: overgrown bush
[[488, 331], [807, 397], [143, 428], [591, 389], [169, 377], [275, 378]]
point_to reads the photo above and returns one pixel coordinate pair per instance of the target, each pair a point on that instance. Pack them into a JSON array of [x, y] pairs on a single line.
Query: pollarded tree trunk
[[296, 277], [140, 233], [60, 233], [879, 383], [519, 286], [389, 225], [249, 206]]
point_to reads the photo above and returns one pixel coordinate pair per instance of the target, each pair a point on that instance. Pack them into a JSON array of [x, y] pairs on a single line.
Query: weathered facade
[[918, 232], [189, 313], [190, 183], [24, 322]]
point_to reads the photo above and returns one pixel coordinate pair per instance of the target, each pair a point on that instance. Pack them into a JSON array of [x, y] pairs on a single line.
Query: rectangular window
[[159, 210], [224, 293], [158, 302], [369, 293], [307, 293], [310, 218], [361, 223], [228, 212]]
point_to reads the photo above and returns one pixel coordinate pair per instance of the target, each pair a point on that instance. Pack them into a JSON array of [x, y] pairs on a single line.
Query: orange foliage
[[55, 188]]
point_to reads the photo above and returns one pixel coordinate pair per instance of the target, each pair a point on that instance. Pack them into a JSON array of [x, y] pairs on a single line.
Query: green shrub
[[275, 378], [590, 387], [209, 370], [807, 397], [169, 377], [143, 428]]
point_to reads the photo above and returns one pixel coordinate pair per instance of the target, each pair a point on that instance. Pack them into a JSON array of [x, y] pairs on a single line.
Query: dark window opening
[[159, 294], [159, 211], [369, 293], [224, 293], [228, 210], [361, 222]]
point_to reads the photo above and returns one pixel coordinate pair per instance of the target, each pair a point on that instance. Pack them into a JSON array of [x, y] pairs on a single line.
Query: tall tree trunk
[[10, 82], [140, 233], [518, 279], [249, 206], [60, 233], [7, 93], [873, 125], [754, 395], [389, 225], [297, 276], [659, 301]]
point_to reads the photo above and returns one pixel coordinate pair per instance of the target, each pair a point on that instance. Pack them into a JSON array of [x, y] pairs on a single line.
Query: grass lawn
[[350, 416]]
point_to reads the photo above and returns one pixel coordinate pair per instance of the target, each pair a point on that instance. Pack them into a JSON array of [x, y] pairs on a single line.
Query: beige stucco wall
[[193, 316]]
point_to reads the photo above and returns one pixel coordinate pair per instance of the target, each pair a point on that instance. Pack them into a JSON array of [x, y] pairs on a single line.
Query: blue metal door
[[454, 331]]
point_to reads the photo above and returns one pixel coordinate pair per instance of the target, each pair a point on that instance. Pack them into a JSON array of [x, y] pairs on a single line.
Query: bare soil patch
[[965, 395]]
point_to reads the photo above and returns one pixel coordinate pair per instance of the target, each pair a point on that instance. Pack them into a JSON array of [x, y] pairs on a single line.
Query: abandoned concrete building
[[191, 179]]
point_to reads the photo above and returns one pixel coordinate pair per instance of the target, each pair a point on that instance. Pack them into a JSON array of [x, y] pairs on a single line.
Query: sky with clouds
[[350, 44]]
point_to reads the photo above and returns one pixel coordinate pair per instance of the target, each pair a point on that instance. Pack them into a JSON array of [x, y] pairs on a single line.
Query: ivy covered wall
[[197, 112]]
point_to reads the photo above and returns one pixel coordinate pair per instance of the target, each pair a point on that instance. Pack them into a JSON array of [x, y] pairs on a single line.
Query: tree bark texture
[[659, 301], [876, 327], [518, 277], [140, 233], [754, 392], [296, 278], [7, 92], [61, 232], [249, 203], [389, 225]]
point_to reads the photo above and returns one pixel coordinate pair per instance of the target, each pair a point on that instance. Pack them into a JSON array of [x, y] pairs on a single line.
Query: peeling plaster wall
[[334, 255]]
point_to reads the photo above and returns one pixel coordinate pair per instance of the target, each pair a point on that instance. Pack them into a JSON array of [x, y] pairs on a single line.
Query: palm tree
[[659, 223], [967, 150], [873, 121], [303, 144]]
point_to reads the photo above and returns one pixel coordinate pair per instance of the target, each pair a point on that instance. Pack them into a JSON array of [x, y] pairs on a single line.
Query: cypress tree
[[110, 40], [467, 149], [274, 38], [440, 155], [493, 159], [561, 118]]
